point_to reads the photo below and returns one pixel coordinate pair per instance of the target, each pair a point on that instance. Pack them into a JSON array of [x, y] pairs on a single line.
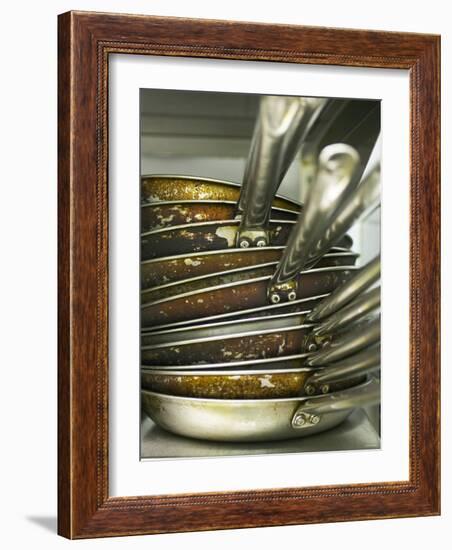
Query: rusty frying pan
[[163, 214], [213, 235], [223, 277], [224, 348], [336, 168], [167, 187], [271, 363], [236, 296], [209, 330], [297, 306], [160, 271], [237, 384], [281, 126], [264, 379]]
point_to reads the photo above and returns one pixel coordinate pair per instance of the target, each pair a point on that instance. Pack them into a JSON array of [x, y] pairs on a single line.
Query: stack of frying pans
[[256, 325]]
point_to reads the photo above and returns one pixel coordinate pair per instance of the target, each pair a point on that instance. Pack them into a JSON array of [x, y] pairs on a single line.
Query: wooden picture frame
[[86, 40]]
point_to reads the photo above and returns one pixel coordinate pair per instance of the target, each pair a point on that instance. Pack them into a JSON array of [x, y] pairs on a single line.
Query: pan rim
[[279, 359], [338, 250], [255, 401], [229, 323], [157, 204], [206, 276], [186, 324], [227, 336], [233, 221], [231, 372], [246, 281]]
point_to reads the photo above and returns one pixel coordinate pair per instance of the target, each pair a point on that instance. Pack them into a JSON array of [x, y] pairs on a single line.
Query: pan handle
[[360, 363], [358, 308], [345, 293], [281, 126], [365, 198], [336, 166], [348, 344], [311, 411]]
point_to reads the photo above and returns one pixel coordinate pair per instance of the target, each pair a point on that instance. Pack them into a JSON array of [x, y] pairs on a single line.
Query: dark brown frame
[[85, 42]]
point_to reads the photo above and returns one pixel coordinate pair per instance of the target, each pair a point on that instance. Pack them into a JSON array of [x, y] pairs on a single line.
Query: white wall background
[[28, 270]]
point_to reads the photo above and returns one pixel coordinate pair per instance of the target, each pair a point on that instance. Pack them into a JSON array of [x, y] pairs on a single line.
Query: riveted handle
[[348, 344], [332, 186], [365, 198], [281, 126], [362, 305], [361, 363], [311, 411], [344, 294]]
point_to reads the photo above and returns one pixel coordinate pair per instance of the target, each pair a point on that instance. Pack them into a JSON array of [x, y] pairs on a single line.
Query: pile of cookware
[[256, 324]]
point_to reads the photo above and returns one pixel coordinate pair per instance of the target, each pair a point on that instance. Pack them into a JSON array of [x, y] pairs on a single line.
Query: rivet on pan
[[275, 299], [292, 296], [309, 389], [314, 419], [324, 388], [261, 242], [244, 243], [312, 347], [299, 420]]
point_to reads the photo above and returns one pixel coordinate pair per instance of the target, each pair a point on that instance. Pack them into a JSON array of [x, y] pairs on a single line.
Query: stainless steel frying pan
[[174, 288], [168, 269], [259, 382], [243, 420], [236, 296], [229, 347], [263, 312]]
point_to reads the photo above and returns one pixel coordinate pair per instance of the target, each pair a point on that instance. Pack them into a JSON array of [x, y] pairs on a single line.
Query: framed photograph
[[248, 275]]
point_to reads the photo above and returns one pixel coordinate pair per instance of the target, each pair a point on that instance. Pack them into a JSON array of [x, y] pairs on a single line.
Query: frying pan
[[236, 296], [214, 279], [257, 344], [163, 214], [243, 420], [236, 326], [165, 270], [192, 188], [281, 124], [297, 306], [212, 235], [260, 382], [159, 271], [197, 237], [271, 363], [254, 339], [282, 120]]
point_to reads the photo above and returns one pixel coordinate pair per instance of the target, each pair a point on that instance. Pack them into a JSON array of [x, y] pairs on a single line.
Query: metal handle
[[281, 126], [365, 198], [345, 293], [311, 411], [336, 166], [348, 344], [360, 363], [358, 308]]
